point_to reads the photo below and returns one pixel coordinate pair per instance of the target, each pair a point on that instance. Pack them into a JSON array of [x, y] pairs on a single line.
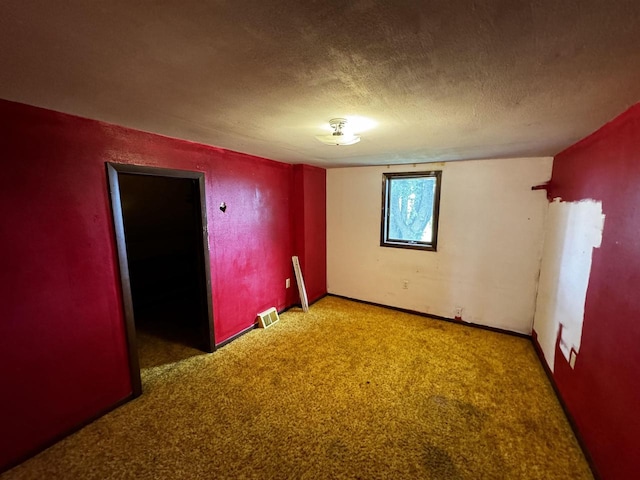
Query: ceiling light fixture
[[339, 136]]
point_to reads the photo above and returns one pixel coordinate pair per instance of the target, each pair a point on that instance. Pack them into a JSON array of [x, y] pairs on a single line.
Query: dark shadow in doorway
[[160, 223]]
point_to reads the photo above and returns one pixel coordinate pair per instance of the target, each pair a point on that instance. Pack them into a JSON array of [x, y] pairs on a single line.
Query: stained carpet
[[345, 391]]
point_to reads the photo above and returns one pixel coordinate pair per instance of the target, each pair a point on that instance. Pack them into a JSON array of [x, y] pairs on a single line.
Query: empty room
[[357, 239]]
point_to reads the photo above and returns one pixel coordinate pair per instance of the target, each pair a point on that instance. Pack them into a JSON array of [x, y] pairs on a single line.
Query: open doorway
[[160, 225]]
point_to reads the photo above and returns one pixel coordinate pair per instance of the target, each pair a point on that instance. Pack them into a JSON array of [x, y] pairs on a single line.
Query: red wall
[[603, 392], [62, 347], [309, 213]]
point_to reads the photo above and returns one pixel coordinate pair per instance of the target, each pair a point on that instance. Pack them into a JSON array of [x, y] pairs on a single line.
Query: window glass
[[410, 210]]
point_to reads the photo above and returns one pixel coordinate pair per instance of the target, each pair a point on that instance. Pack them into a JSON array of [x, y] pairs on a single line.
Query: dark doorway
[[159, 217]]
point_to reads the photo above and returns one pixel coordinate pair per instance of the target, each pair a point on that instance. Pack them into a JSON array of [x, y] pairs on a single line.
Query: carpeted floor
[[345, 391]]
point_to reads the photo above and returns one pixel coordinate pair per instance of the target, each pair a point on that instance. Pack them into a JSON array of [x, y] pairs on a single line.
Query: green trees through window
[[410, 207]]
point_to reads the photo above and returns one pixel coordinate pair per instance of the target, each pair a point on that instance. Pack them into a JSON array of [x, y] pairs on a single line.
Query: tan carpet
[[345, 391]]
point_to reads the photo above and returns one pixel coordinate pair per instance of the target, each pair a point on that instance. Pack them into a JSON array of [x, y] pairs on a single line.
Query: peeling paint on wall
[[574, 229]]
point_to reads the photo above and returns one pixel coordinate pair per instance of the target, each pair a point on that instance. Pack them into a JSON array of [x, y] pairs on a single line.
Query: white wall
[[489, 243], [574, 229]]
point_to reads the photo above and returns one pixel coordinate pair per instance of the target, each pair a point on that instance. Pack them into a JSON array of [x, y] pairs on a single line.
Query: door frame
[[113, 170]]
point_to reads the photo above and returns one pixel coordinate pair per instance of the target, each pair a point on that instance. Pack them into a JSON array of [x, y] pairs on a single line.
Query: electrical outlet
[[405, 284], [458, 312], [287, 283]]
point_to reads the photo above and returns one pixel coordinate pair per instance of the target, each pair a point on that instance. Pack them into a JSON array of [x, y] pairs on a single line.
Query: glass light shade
[[339, 139]]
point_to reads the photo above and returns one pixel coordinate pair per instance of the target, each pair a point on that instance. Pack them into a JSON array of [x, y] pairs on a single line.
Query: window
[[410, 204]]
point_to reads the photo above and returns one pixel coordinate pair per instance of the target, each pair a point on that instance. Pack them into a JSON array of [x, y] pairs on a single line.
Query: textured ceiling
[[444, 80]]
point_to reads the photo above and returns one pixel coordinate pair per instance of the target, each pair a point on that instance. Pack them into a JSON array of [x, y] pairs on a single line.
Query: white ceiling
[[444, 80]]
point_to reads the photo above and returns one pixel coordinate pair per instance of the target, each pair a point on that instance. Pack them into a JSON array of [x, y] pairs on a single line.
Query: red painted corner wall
[[63, 355], [602, 393], [310, 226]]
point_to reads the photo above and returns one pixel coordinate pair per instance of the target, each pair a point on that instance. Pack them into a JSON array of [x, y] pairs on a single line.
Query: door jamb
[[113, 169]]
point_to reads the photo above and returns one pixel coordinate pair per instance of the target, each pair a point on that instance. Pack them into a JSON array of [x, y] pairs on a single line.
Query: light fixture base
[[338, 137], [337, 124]]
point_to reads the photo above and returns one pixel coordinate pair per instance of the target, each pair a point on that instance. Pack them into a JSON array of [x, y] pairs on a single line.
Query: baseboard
[[435, 317], [317, 299], [236, 336], [255, 325], [49, 443], [299, 305], [565, 409]]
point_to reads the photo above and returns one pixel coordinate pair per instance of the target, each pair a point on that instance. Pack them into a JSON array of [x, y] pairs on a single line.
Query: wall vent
[[268, 317]]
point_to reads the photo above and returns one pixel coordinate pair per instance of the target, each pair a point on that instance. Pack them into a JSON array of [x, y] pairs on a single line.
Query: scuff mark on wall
[[574, 229]]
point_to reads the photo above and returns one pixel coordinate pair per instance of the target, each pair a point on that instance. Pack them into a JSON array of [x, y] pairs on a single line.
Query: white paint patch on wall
[[574, 229], [490, 239]]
